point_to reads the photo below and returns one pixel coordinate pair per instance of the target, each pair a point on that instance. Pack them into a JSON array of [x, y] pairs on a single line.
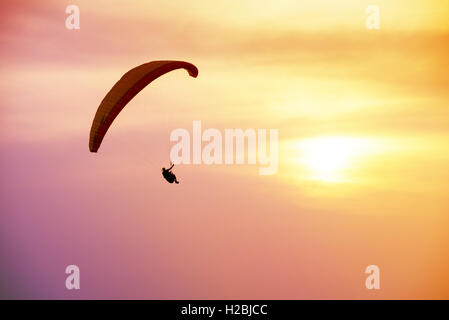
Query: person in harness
[[168, 175]]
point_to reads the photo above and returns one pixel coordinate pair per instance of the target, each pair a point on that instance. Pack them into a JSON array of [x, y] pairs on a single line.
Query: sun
[[328, 159]]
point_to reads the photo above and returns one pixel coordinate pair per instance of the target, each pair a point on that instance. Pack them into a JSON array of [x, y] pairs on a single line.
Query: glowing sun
[[329, 158]]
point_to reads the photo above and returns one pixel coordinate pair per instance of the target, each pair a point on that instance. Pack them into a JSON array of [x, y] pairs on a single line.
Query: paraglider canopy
[[130, 84]]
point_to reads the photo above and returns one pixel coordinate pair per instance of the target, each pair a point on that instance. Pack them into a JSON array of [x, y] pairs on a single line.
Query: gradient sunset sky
[[363, 120]]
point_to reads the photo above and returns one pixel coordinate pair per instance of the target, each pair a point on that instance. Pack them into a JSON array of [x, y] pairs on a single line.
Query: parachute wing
[[130, 84]]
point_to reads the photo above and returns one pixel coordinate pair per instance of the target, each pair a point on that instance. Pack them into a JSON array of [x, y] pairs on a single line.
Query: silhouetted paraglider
[[130, 84], [168, 175]]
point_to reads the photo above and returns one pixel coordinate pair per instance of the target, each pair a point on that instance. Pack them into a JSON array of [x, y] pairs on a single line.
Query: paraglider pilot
[[168, 175]]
